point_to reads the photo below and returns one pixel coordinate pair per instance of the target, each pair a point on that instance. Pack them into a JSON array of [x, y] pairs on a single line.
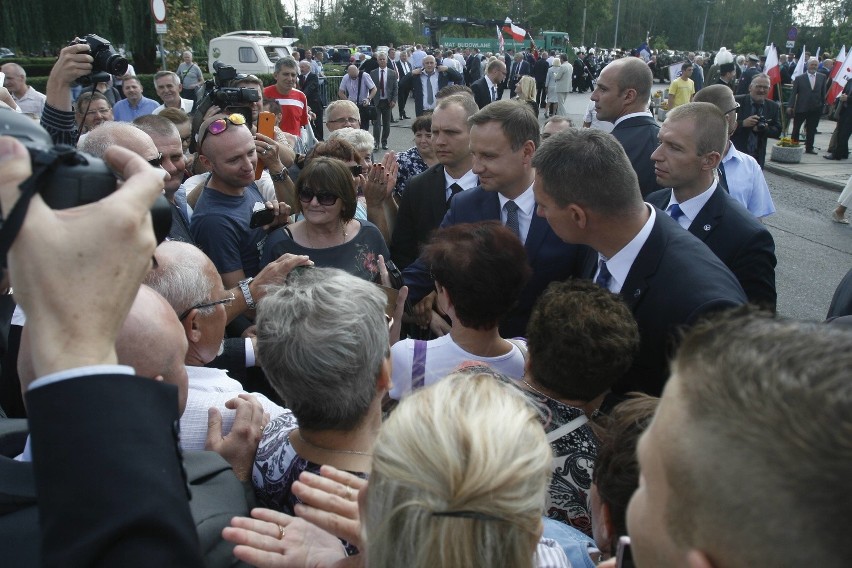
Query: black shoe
[[829, 157], [385, 146], [394, 121], [810, 151]]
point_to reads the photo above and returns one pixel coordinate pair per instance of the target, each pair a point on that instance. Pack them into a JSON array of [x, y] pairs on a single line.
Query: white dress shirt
[[621, 262], [691, 207], [526, 210], [467, 181]]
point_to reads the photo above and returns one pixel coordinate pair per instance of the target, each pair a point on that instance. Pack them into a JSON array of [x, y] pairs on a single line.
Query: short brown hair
[[332, 176], [516, 119]]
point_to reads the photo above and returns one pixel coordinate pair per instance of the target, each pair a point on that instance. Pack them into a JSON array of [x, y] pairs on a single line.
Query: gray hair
[[287, 61], [362, 140], [179, 276], [111, 134], [160, 74], [322, 338]]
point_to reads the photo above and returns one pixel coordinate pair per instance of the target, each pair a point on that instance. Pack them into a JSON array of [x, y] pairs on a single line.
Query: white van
[[249, 51]]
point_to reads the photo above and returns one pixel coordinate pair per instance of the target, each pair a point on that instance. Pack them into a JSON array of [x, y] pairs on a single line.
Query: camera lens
[[115, 64]]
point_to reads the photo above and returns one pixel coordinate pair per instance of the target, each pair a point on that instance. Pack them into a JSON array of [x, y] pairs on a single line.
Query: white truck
[[249, 51]]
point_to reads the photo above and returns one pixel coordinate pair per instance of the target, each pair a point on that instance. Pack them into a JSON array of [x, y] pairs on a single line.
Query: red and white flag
[[500, 39], [772, 69], [800, 64], [838, 63], [518, 34], [840, 80]]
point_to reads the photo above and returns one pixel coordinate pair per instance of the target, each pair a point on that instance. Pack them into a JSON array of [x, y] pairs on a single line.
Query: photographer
[[58, 117], [758, 118]]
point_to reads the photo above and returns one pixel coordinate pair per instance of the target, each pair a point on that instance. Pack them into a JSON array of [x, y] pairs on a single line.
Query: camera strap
[[43, 163]]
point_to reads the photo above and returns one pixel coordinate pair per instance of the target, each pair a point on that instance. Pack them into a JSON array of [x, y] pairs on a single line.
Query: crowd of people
[[511, 345]]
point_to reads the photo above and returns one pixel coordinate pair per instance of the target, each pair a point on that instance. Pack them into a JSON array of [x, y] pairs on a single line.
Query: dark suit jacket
[[421, 210], [311, 90], [738, 239], [674, 281], [481, 94], [400, 70], [803, 98], [841, 302], [540, 70], [771, 112], [638, 136], [473, 67], [551, 259], [414, 84], [111, 489], [745, 80], [524, 69], [391, 84]]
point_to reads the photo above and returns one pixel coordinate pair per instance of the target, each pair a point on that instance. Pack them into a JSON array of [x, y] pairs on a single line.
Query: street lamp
[[704, 27], [617, 12]]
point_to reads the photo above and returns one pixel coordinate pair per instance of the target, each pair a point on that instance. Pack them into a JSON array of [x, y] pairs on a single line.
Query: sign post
[[158, 11]]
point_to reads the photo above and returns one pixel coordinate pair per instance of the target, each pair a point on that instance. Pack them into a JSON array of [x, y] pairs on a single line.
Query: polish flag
[[518, 34], [500, 39], [771, 68], [843, 75], [838, 63], [800, 64]]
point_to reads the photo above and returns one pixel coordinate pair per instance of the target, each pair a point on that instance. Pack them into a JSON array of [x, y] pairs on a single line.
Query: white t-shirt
[[443, 356]]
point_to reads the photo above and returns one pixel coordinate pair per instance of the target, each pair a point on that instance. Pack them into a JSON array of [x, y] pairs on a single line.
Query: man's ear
[[383, 381], [578, 214], [191, 327]]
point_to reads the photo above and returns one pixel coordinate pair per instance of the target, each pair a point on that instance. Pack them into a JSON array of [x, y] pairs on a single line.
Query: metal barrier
[[331, 86]]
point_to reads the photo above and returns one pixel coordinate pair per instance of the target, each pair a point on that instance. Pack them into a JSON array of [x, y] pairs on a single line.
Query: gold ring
[[281, 532]]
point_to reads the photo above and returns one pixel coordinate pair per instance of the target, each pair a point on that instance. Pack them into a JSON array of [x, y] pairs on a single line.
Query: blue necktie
[[512, 218], [604, 276], [675, 211]]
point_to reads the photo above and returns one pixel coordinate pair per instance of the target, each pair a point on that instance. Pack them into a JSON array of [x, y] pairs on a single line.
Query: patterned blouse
[[573, 462], [277, 466], [410, 164]]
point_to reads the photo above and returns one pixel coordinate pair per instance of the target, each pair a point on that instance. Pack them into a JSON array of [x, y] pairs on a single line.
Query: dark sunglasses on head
[[306, 195], [220, 125]]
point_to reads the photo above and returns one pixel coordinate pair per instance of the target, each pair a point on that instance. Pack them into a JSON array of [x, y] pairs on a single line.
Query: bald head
[[722, 98], [119, 134], [152, 341]]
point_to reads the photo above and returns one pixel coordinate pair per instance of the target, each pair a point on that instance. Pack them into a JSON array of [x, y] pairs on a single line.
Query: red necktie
[[382, 82]]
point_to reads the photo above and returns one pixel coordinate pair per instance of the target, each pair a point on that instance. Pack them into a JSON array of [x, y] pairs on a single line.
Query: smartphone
[[265, 126], [623, 555], [261, 217]]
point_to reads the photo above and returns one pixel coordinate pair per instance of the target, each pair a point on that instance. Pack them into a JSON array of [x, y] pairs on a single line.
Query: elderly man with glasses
[[342, 114], [758, 118]]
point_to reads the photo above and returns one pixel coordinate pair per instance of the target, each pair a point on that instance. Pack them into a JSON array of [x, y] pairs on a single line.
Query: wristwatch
[[280, 176], [244, 287]]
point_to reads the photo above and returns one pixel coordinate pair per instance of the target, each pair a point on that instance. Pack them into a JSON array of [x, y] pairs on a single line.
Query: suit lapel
[[645, 265], [535, 236], [710, 215], [438, 194]]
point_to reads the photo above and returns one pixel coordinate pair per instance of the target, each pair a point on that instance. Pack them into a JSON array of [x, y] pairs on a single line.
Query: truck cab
[[249, 51]]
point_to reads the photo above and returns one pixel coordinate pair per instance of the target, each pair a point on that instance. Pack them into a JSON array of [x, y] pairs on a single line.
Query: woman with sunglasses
[[329, 233]]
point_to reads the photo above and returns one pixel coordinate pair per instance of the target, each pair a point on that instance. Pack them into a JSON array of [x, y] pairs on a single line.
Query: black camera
[[106, 60], [761, 123], [219, 92], [67, 178]]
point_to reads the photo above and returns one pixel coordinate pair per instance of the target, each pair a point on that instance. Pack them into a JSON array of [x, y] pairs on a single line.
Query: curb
[[799, 176]]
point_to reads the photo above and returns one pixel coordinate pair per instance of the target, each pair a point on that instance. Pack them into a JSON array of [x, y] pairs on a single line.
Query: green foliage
[[660, 43], [752, 40]]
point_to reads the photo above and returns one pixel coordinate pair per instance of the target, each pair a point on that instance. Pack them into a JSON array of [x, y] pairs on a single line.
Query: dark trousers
[[365, 120], [540, 94], [811, 120], [317, 123], [843, 131], [382, 122]]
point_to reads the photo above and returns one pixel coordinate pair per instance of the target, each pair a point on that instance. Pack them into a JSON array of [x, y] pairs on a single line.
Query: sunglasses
[[226, 301], [220, 125], [307, 195], [158, 161]]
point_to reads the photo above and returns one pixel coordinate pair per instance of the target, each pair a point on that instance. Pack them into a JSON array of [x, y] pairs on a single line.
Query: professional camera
[[219, 92], [106, 61], [761, 123], [63, 177]]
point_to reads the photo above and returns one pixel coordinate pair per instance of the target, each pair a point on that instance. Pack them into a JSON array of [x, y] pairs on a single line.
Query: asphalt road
[[813, 252]]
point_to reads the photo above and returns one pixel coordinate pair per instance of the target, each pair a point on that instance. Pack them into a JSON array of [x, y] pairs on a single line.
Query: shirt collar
[[692, 207], [467, 181], [621, 262], [631, 115], [525, 201]]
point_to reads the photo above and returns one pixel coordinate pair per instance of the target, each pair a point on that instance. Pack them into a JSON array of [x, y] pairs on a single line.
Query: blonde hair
[[528, 90], [459, 475]]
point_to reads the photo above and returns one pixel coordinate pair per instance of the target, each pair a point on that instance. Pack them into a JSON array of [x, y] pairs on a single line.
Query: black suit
[[769, 110], [402, 69], [639, 137], [309, 84], [745, 80], [473, 68], [517, 70], [674, 281], [807, 106], [738, 239], [414, 84], [421, 210], [481, 92], [551, 259], [108, 475], [540, 70]]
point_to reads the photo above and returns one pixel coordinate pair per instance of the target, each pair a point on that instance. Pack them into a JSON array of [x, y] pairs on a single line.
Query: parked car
[[364, 49], [6, 52], [249, 51], [341, 54]]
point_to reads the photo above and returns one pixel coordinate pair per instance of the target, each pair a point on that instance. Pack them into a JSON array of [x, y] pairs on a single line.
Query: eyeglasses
[[357, 170], [346, 119], [736, 106], [220, 125], [226, 301], [158, 161], [306, 195]]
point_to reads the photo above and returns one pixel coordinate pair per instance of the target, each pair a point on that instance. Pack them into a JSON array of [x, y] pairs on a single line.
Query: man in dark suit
[[692, 141], [309, 84], [621, 97], [425, 83], [107, 472], [518, 69], [402, 68], [503, 138], [485, 89], [806, 102], [758, 118], [427, 196], [540, 70], [667, 277], [385, 79], [473, 66], [749, 74]]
